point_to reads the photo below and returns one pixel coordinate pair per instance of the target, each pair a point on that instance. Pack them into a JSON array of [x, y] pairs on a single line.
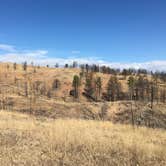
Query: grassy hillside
[[15, 80], [41, 125], [14, 84], [25, 140]]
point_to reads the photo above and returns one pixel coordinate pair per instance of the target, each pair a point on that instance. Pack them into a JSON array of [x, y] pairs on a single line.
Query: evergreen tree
[[57, 65], [25, 66], [76, 85], [113, 89], [75, 64], [141, 87], [15, 66], [66, 65], [89, 85], [131, 85]]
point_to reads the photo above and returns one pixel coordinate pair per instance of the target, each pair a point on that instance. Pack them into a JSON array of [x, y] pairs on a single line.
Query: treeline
[[102, 69], [140, 88]]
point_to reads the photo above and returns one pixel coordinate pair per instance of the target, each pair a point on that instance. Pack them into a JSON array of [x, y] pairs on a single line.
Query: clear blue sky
[[114, 30]]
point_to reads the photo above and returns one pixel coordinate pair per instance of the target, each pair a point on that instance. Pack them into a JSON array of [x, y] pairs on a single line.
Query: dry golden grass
[[25, 140]]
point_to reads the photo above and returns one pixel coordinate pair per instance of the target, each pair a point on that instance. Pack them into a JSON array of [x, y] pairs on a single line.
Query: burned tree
[[55, 84], [98, 87]]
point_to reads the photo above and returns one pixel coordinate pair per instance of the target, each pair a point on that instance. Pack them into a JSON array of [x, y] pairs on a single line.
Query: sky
[[119, 33]]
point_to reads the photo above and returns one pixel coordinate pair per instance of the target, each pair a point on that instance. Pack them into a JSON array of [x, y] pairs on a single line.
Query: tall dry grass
[[25, 140]]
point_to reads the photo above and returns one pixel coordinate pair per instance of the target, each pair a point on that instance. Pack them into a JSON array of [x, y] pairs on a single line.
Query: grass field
[[25, 140]]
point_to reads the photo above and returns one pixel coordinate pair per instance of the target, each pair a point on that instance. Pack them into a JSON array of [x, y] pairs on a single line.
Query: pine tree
[[66, 65], [76, 85], [57, 65], [89, 86], [113, 89], [140, 85], [131, 85], [15, 66], [75, 64], [25, 66]]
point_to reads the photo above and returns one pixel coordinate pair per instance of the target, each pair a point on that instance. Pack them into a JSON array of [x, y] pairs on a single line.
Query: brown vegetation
[[27, 141], [136, 97], [86, 103]]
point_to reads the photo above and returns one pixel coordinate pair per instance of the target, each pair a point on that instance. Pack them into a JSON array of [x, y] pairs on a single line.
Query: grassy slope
[[47, 76], [61, 105], [25, 140]]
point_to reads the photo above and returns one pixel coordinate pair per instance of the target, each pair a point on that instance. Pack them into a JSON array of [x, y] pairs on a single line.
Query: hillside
[[15, 79], [31, 91], [43, 123], [25, 140]]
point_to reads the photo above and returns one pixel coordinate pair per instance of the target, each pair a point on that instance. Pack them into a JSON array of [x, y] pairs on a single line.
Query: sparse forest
[[141, 84], [42, 90]]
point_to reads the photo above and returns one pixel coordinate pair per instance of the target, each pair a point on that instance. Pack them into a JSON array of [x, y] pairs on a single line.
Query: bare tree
[[55, 84], [131, 85], [103, 112], [98, 87]]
